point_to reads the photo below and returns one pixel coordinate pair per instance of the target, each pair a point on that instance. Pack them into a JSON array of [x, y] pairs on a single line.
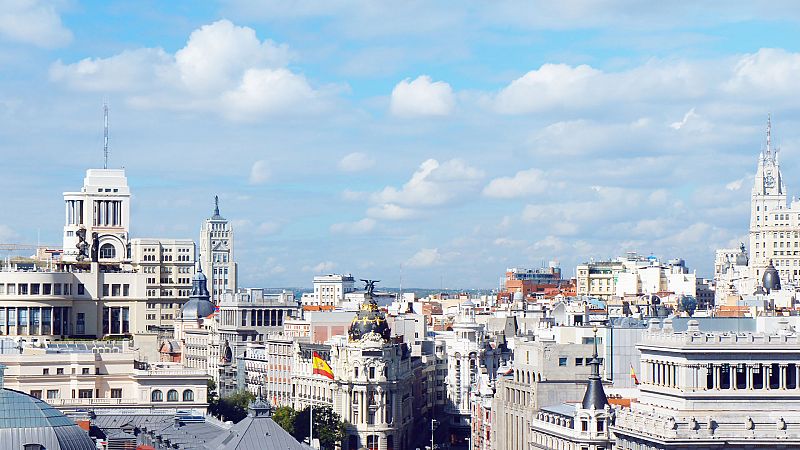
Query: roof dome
[[741, 257], [27, 420], [199, 305], [771, 280], [369, 319]]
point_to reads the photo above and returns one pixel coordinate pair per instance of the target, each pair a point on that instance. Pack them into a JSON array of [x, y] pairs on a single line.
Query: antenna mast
[[105, 135]]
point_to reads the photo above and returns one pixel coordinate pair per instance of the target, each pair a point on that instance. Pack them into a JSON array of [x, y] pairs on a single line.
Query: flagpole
[[311, 425]]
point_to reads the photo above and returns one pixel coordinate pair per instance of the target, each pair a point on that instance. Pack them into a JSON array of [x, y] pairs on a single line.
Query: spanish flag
[[320, 366], [633, 375]]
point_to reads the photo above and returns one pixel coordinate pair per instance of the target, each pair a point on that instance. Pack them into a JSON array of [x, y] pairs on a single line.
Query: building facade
[[714, 390], [216, 252]]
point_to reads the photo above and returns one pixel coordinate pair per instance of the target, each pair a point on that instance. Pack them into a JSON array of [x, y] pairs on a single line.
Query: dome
[[199, 305], [771, 280], [741, 257], [27, 420], [369, 319]]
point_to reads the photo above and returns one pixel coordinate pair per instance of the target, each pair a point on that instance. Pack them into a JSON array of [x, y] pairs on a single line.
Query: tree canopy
[[329, 427]]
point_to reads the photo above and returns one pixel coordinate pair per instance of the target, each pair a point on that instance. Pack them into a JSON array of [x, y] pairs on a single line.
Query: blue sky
[[442, 140]]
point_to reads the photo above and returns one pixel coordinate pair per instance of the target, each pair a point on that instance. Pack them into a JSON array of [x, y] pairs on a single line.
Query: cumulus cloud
[[268, 228], [769, 72], [356, 162], [260, 172], [323, 267], [524, 183], [388, 211], [433, 184], [422, 97], [426, 257], [33, 22], [223, 68], [362, 226]]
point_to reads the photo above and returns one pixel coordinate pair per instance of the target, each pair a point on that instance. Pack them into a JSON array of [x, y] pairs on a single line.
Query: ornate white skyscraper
[[216, 254], [774, 225]]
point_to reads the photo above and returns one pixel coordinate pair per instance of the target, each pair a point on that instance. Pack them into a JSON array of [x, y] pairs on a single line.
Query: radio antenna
[[105, 135]]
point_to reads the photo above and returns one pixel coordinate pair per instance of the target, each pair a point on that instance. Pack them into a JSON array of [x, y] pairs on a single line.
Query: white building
[[101, 210], [330, 290], [371, 387], [774, 224], [714, 390], [216, 251], [103, 375]]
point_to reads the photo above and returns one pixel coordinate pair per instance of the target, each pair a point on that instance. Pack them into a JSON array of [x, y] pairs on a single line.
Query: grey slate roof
[[256, 433]]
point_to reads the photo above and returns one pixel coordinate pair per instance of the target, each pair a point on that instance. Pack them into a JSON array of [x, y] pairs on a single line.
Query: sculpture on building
[[369, 286], [95, 247], [82, 245]]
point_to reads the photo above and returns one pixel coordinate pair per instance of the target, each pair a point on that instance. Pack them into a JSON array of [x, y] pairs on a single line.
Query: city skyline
[[353, 137]]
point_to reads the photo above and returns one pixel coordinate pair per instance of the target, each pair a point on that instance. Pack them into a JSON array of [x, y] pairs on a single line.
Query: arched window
[[107, 251], [188, 395], [172, 395], [157, 396]]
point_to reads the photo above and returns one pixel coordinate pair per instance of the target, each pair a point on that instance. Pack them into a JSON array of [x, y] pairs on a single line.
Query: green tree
[[232, 407], [285, 416], [329, 427]]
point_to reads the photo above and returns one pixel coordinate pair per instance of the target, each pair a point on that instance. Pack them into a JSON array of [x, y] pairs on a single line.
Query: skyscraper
[[774, 224], [216, 254]]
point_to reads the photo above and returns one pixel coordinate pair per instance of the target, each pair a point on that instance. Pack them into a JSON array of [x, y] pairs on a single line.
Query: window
[[601, 426], [81, 289], [188, 395], [85, 371], [172, 395], [52, 394], [45, 371], [36, 394], [60, 371], [578, 361], [371, 373], [562, 362], [584, 425], [84, 393], [116, 393], [157, 396], [33, 447]]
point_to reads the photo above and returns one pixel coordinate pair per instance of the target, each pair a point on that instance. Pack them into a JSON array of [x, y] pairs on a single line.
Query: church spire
[[769, 135], [216, 215], [595, 396]]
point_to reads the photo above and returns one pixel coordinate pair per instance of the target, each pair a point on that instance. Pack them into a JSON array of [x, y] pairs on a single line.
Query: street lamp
[[433, 423]]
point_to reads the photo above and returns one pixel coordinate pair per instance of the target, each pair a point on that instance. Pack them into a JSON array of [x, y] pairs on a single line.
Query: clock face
[[769, 181]]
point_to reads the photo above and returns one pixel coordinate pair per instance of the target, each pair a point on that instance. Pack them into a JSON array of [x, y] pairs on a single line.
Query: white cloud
[[33, 22], [735, 185], [426, 257], [678, 125], [260, 172], [217, 54], [769, 72], [359, 227], [433, 184], [524, 183], [356, 162], [549, 86], [422, 97], [389, 211], [269, 228], [323, 267], [223, 68]]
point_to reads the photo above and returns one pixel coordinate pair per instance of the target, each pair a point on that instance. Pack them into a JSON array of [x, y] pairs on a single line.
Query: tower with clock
[[216, 254], [774, 225]]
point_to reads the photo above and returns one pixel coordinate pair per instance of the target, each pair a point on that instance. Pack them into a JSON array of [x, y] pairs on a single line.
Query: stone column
[[783, 370]]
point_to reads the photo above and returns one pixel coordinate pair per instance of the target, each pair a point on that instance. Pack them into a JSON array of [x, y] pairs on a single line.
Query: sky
[[432, 144]]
